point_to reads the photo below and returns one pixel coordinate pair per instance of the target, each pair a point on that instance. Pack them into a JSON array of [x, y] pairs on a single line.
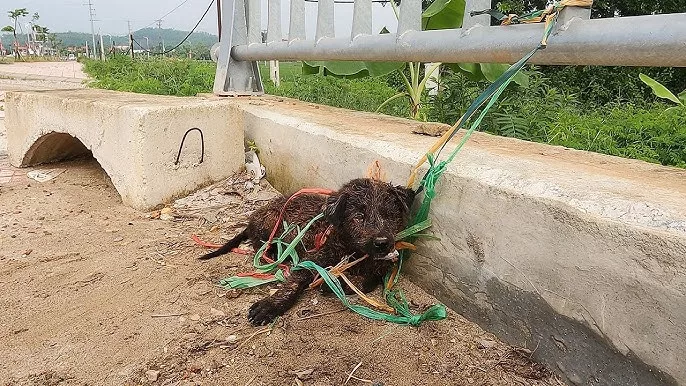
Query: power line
[[166, 14], [184, 39]]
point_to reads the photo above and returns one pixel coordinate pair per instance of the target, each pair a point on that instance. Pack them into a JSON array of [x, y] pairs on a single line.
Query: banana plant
[[663, 92], [414, 89]]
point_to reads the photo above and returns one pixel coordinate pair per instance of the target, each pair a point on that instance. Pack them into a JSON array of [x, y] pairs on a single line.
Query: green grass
[[180, 77], [365, 94], [544, 112]]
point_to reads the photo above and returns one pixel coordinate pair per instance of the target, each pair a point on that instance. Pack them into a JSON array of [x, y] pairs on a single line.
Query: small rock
[[189, 336], [194, 317], [302, 374], [166, 217], [166, 210], [152, 375], [118, 239], [217, 313], [486, 344], [231, 338], [27, 252], [433, 129]]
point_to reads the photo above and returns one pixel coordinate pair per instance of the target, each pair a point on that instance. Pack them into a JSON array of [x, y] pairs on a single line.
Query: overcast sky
[[72, 15]]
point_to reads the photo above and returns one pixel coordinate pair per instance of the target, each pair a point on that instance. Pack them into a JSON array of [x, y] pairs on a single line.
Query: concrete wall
[[134, 137], [579, 257]]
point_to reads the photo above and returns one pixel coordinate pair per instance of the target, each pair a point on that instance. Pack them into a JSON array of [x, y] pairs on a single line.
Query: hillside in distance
[[170, 36]]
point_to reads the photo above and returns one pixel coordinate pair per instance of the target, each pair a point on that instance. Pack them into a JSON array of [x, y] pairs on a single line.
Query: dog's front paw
[[263, 312]]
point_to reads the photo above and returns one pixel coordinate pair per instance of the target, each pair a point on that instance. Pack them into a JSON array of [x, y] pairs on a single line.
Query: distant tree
[[15, 15], [603, 8], [197, 51]]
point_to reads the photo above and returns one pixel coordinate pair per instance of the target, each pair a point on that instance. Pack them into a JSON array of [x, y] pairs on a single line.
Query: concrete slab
[[135, 137], [577, 256]]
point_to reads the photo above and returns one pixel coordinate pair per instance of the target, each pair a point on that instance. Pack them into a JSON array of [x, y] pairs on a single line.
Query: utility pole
[[159, 29], [102, 47], [91, 12], [128, 22]]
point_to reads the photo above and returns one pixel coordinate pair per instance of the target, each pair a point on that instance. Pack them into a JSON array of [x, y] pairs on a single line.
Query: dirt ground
[[96, 293]]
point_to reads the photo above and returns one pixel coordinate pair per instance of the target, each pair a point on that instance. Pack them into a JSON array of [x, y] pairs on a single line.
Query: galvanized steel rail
[[654, 40]]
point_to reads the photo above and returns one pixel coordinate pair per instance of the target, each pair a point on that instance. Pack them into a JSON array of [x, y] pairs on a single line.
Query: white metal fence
[[652, 40]]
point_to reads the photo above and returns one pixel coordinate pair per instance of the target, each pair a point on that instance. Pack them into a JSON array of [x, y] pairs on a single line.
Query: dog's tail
[[226, 248]]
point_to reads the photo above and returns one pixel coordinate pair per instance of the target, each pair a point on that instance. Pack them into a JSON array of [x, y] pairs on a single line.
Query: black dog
[[362, 217]]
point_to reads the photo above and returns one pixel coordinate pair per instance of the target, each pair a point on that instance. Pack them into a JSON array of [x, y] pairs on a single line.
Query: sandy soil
[[95, 293]]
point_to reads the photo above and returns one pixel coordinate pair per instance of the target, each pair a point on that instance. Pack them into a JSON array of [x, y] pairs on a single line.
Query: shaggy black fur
[[365, 214]]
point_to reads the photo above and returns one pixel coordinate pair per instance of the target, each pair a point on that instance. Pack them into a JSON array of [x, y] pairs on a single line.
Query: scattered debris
[[302, 374], [27, 252], [194, 317], [152, 375], [166, 214], [322, 314], [167, 315], [44, 175], [227, 203], [351, 376], [217, 313], [255, 169], [487, 344]]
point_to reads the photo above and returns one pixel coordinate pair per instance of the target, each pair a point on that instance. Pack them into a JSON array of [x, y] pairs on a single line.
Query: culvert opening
[[55, 147]]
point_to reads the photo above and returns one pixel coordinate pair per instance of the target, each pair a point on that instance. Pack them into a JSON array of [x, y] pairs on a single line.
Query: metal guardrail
[[654, 40]]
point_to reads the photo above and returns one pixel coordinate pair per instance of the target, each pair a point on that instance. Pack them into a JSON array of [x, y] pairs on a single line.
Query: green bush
[[544, 113], [597, 86]]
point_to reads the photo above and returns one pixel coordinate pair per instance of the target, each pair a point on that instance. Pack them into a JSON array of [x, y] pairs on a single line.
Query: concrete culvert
[[54, 147]]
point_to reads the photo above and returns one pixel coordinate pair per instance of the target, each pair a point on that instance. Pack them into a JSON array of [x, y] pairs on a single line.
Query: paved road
[[33, 76]]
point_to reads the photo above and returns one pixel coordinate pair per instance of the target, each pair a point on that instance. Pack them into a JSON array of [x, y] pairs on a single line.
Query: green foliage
[[544, 113], [350, 69], [364, 94], [180, 77], [602, 8], [443, 14], [661, 91], [598, 86]]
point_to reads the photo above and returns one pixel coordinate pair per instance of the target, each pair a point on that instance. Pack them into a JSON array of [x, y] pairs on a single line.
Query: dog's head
[[368, 213]]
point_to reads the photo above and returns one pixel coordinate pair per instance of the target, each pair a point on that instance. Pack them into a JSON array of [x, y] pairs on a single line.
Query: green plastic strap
[[413, 230], [436, 312], [243, 282], [290, 251]]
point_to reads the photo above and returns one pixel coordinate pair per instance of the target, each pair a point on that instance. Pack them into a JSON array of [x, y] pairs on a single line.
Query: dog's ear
[[335, 206], [405, 196]]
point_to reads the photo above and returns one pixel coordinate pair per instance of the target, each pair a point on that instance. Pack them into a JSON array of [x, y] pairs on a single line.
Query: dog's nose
[[382, 243]]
